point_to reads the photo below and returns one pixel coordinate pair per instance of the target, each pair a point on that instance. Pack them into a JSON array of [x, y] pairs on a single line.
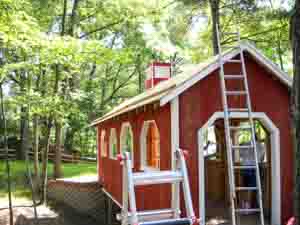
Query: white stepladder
[[230, 147], [130, 215]]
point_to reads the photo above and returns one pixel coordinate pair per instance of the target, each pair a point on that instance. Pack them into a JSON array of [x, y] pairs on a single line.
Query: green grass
[[20, 182]]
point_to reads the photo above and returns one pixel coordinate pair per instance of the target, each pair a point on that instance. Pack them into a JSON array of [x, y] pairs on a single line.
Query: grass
[[20, 181]]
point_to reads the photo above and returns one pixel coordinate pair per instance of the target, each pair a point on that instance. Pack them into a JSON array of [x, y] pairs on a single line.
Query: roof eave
[[281, 75]]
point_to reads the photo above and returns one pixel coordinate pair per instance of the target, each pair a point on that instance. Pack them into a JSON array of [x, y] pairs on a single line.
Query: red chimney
[[156, 73]]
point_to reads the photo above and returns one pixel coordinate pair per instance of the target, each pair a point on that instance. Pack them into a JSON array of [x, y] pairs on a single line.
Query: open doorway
[[213, 170]]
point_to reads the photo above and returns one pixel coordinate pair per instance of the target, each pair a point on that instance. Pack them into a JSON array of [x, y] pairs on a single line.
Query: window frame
[[122, 141], [113, 137], [103, 144], [143, 143]]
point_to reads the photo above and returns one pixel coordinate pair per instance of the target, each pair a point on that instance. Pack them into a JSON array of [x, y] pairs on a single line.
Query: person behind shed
[[249, 175]]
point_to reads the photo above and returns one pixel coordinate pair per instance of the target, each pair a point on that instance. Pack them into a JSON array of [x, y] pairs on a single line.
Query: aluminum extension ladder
[[231, 148], [129, 214]]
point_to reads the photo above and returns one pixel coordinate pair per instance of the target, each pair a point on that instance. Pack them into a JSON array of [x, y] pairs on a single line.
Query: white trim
[[98, 147], [214, 65], [273, 68], [174, 146], [103, 144], [275, 162], [143, 143], [127, 125], [112, 139]]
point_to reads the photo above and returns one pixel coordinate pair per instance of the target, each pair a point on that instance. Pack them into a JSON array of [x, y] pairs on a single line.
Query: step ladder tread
[[157, 177], [236, 92], [238, 110], [244, 167], [246, 188], [233, 77]]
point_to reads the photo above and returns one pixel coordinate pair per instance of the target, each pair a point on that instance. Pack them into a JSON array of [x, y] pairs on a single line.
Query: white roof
[[167, 90]]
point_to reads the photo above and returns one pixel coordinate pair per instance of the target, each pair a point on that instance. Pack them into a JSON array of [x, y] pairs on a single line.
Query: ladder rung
[[161, 177], [242, 146], [234, 61], [246, 188], [233, 77], [244, 167], [238, 110], [240, 128], [247, 210], [236, 92]]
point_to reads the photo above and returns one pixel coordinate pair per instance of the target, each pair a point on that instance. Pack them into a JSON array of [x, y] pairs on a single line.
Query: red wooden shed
[[186, 111]]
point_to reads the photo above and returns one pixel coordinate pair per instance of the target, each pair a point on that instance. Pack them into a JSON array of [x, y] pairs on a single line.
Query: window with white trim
[[113, 144], [103, 144], [126, 140], [150, 146]]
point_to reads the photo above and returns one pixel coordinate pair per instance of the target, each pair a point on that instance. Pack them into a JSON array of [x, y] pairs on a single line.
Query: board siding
[[110, 171], [197, 105], [199, 102]]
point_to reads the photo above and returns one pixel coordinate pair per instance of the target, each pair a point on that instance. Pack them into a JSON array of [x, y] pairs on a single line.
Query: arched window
[[150, 146], [103, 144], [126, 137], [113, 144]]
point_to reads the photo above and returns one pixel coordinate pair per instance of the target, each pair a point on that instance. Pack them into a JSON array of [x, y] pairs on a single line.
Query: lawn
[[20, 182]]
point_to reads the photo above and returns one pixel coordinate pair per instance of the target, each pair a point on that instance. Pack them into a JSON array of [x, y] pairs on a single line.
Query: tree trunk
[[57, 162], [24, 129], [36, 147], [68, 145], [45, 161], [215, 14], [295, 107]]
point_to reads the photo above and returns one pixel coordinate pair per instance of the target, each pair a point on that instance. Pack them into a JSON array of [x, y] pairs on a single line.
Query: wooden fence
[[11, 153], [66, 158]]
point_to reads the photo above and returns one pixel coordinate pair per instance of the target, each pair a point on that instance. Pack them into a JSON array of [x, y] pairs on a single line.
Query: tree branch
[[101, 28]]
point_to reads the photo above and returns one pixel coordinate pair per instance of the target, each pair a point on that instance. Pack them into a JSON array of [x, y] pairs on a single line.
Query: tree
[[295, 108]]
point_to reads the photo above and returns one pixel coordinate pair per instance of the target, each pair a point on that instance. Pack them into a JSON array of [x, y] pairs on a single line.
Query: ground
[[22, 195], [19, 176]]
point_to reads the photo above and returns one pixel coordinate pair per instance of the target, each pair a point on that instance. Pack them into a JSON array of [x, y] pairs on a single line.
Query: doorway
[[214, 198]]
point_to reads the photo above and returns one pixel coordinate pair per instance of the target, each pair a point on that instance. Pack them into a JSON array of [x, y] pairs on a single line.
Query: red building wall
[[197, 105], [202, 100], [110, 171]]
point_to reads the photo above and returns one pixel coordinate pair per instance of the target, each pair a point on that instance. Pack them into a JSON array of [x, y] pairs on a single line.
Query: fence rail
[[66, 158], [11, 153]]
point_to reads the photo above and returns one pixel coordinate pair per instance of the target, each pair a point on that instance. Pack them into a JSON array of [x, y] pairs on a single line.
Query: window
[[150, 141], [103, 144], [126, 138], [113, 149]]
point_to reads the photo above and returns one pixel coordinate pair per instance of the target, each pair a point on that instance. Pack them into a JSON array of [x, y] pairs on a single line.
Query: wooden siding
[[110, 170], [199, 102], [196, 106]]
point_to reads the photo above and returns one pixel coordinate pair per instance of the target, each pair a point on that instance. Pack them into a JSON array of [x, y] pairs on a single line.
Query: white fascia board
[[268, 64], [258, 56], [197, 77]]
